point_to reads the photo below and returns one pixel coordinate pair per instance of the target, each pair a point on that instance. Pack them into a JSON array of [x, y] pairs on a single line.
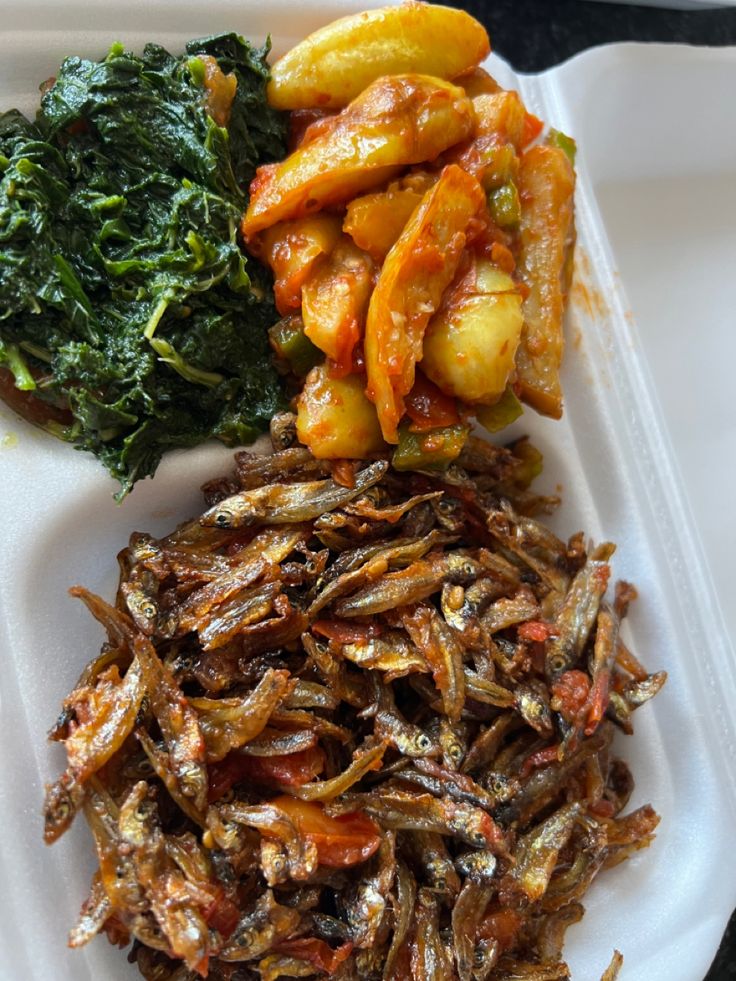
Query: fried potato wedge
[[547, 231], [332, 66], [395, 122], [414, 276]]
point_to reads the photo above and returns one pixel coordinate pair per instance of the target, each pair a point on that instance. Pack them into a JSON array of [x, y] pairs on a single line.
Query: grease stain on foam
[[9, 441], [583, 294]]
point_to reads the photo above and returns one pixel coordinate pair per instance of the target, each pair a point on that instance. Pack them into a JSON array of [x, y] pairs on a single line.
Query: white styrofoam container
[[611, 456]]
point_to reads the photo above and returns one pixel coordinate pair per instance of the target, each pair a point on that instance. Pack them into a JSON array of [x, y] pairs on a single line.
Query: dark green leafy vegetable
[[123, 291]]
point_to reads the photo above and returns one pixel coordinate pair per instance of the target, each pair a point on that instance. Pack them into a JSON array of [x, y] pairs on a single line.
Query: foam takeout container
[[610, 456]]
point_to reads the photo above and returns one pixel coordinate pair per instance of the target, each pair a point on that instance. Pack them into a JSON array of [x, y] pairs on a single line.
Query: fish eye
[[223, 519], [60, 813], [557, 663]]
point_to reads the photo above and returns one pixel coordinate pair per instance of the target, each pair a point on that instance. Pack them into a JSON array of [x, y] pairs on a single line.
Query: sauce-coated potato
[[470, 343], [335, 300], [501, 115], [333, 65], [397, 121], [292, 249], [547, 232], [375, 221], [335, 419], [414, 276]]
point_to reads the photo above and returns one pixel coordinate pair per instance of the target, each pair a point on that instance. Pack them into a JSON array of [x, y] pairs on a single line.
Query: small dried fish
[[467, 913], [612, 971], [406, 892], [391, 726], [430, 959], [578, 613], [536, 854], [392, 652], [360, 732], [401, 810], [428, 852], [287, 503], [394, 589], [228, 723], [260, 929], [444, 654]]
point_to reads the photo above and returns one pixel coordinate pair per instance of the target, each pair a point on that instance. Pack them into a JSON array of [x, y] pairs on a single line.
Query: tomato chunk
[[316, 952], [289, 770], [428, 407], [340, 841]]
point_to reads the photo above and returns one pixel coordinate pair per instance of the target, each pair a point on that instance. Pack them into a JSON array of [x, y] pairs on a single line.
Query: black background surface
[[535, 34]]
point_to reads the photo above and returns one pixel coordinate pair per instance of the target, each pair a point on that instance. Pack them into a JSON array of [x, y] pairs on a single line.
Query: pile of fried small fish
[[356, 723]]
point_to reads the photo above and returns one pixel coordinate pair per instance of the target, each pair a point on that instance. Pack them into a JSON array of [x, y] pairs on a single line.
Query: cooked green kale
[[124, 295]]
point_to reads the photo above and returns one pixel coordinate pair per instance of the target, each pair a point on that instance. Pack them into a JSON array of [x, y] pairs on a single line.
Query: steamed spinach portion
[[124, 294]]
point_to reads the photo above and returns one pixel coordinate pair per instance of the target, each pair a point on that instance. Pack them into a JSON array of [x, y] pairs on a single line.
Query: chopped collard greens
[[130, 320]]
